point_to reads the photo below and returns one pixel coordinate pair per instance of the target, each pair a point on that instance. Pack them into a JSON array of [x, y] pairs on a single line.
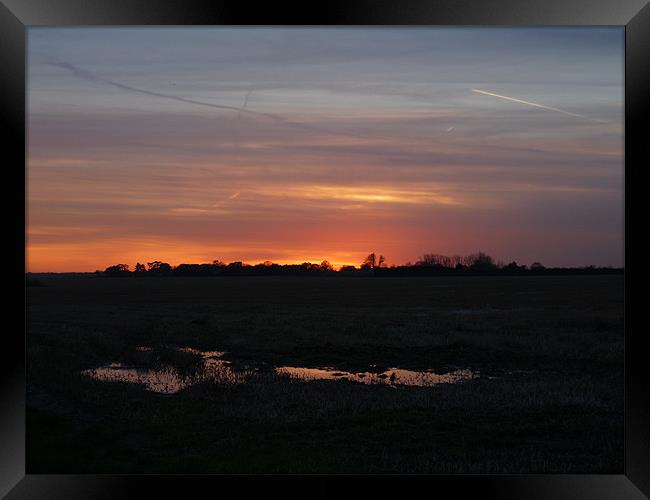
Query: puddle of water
[[392, 376], [168, 380], [164, 381], [206, 355]]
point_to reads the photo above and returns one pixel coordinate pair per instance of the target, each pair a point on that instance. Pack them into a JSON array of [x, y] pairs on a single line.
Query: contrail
[[245, 103], [222, 202], [87, 75], [537, 105]]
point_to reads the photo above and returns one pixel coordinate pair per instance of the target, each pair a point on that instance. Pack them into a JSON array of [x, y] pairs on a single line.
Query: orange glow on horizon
[[100, 255]]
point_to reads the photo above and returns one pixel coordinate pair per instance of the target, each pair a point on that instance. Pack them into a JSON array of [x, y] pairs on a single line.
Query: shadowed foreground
[[548, 398]]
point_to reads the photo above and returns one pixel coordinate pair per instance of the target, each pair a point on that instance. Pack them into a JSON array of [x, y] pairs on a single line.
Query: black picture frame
[[634, 15]]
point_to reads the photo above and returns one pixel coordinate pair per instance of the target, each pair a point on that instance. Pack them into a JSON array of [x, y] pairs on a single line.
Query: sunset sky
[[292, 145]]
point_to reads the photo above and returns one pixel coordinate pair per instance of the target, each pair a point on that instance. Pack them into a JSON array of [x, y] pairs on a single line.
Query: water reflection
[[165, 381], [392, 376], [169, 380]]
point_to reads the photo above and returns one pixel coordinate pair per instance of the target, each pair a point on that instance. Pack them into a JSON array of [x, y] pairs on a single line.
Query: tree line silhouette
[[429, 264]]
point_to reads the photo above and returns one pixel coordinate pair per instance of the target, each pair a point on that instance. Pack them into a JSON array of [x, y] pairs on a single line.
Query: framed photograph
[[374, 238]]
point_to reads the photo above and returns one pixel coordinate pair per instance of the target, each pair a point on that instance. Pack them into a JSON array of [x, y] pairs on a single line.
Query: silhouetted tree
[[117, 270], [437, 260], [326, 266], [428, 265], [193, 270], [434, 259], [373, 262], [454, 260], [157, 267], [369, 261], [480, 262], [309, 267]]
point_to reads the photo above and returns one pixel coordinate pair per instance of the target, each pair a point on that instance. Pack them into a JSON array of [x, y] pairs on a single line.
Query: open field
[[547, 353]]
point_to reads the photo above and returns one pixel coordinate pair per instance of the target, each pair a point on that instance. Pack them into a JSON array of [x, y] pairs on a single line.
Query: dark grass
[[554, 346]]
